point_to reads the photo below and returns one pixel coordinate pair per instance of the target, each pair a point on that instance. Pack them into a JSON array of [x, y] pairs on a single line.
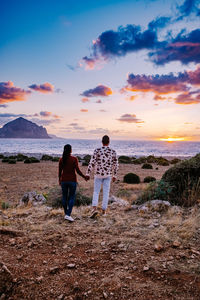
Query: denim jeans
[[106, 190], [68, 196]]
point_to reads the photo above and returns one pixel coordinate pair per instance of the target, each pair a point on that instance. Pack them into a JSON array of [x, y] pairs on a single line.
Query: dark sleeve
[[60, 168], [77, 168]]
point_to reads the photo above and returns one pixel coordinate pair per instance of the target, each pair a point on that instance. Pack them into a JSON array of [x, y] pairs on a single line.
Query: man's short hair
[[105, 140]]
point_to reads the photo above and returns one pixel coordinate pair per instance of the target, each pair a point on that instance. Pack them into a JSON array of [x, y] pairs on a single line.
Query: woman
[[68, 166]]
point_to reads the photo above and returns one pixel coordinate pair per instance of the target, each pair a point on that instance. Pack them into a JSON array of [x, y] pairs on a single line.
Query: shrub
[[5, 205], [5, 159], [12, 157], [161, 161], [147, 166], [21, 157], [54, 198], [149, 179], [27, 161], [151, 159], [55, 158], [1, 156], [139, 161], [185, 180], [175, 161], [34, 160], [131, 178], [85, 163], [124, 159], [12, 161], [46, 157]]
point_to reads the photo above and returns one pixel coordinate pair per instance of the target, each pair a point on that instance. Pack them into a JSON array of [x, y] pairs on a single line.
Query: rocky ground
[[128, 254]]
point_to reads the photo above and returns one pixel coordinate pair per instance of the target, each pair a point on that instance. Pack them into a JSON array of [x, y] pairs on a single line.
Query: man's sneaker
[[69, 218], [94, 214]]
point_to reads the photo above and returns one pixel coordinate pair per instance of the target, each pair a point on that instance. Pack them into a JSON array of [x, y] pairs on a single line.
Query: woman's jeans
[[68, 196], [106, 190]]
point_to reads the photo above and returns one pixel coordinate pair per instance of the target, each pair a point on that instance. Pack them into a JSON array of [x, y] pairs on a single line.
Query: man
[[105, 164]]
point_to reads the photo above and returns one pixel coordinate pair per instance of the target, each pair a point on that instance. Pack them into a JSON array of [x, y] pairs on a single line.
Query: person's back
[[68, 169]]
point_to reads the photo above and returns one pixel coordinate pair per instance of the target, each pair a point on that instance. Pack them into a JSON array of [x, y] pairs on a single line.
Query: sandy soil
[[125, 255]]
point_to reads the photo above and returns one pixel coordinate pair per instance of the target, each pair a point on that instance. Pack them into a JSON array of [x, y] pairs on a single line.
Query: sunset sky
[[127, 68]]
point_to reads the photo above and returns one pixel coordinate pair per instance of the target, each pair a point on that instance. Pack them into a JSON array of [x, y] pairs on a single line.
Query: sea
[[37, 147]]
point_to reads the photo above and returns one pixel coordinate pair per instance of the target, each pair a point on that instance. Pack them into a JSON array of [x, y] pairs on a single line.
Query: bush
[[151, 159], [46, 157], [139, 161], [12, 157], [1, 156], [161, 161], [149, 179], [21, 157], [54, 198], [56, 159], [185, 181], [5, 160], [147, 166], [5, 205], [131, 178], [175, 161], [12, 161], [85, 163], [124, 159], [27, 161], [31, 160]]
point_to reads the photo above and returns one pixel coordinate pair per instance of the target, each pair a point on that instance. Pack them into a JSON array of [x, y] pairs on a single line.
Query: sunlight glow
[[173, 139]]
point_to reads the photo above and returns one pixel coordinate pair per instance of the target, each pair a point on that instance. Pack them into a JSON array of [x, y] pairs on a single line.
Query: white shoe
[[69, 218]]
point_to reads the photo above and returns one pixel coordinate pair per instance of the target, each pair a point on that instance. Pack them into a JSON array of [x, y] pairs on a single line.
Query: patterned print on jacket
[[104, 161]]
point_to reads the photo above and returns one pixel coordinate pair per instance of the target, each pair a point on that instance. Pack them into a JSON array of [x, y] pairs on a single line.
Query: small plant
[[147, 166], [175, 161], [5, 205], [56, 158], [46, 157], [131, 178], [124, 159], [149, 179], [12, 161], [5, 160]]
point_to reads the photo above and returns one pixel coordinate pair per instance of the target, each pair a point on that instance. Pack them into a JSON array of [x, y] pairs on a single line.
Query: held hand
[[113, 179], [87, 178]]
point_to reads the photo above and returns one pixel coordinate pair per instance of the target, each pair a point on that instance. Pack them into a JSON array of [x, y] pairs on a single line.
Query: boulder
[[153, 205], [117, 201], [32, 198]]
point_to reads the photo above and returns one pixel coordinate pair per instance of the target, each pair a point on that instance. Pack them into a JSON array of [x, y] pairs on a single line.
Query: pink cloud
[[10, 93], [84, 110], [42, 88], [130, 118], [85, 99]]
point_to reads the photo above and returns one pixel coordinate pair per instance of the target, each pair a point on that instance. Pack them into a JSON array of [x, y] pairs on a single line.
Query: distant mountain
[[22, 128]]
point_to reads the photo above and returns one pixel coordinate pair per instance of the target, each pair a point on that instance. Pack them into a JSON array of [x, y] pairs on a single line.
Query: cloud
[[44, 122], [159, 84], [126, 39], [187, 98], [85, 99], [10, 115], [42, 88], [184, 48], [47, 114], [100, 90], [99, 101], [102, 110], [10, 93], [3, 105], [84, 110], [187, 8], [128, 118]]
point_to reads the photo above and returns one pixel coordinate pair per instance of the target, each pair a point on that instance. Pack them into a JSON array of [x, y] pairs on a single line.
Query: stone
[[103, 243], [117, 201], [6, 279], [154, 205], [53, 270], [32, 198], [71, 266], [105, 295], [146, 268], [158, 247], [176, 244]]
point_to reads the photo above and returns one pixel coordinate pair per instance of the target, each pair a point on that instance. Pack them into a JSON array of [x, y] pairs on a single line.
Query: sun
[[172, 139]]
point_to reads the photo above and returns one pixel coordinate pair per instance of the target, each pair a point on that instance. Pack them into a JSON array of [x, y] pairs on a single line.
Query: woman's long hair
[[66, 153]]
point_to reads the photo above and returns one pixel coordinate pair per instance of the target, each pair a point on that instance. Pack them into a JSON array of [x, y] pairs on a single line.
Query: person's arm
[[91, 164], [115, 165], [60, 167], [78, 169]]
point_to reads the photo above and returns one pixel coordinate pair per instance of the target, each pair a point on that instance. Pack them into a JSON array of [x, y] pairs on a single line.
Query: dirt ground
[[125, 255]]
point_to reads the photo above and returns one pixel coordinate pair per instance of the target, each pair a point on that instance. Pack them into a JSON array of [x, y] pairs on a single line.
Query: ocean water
[[84, 146]]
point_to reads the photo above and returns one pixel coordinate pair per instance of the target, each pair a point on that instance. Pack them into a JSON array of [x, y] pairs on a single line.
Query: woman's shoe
[[69, 218]]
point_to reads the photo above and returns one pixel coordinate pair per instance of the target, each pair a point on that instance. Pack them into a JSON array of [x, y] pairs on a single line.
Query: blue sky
[[53, 54]]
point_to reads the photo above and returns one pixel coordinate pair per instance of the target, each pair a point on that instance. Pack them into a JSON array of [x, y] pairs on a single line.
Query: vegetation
[[46, 157], [1, 156], [131, 178], [12, 161], [124, 159], [175, 161], [31, 160], [149, 179], [147, 166]]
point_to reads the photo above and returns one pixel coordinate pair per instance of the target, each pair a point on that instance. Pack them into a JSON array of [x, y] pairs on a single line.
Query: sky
[[82, 69]]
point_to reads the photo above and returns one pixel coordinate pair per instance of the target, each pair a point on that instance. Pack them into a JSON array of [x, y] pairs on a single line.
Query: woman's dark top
[[67, 172]]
